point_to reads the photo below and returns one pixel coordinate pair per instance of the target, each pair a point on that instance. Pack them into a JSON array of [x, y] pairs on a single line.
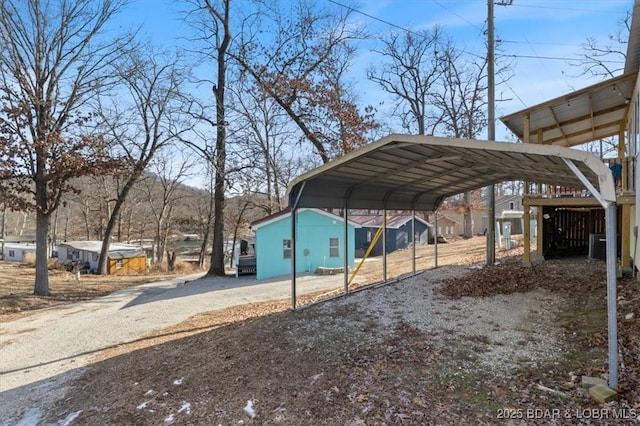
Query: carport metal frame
[[404, 172]]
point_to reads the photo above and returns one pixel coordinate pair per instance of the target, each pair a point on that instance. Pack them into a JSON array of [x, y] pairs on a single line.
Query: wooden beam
[[557, 126], [631, 77], [526, 256], [625, 244], [610, 129], [564, 202], [540, 227], [621, 146]]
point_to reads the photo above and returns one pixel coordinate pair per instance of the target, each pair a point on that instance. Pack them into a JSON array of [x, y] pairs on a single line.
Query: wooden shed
[[123, 259]]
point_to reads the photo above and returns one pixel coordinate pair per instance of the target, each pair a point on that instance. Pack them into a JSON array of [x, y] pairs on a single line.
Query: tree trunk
[[217, 252], [203, 248], [468, 222], [171, 260], [42, 255], [104, 252]]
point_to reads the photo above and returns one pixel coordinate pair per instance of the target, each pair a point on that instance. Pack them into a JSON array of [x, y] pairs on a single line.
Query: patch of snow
[[249, 409], [178, 381], [315, 377], [31, 417], [150, 392], [186, 407], [169, 418], [143, 405], [70, 418]]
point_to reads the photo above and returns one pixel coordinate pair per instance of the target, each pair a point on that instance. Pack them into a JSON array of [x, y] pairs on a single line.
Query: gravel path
[[509, 331], [41, 352]]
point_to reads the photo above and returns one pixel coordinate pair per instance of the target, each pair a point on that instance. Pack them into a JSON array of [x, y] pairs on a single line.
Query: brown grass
[[17, 279], [17, 284]]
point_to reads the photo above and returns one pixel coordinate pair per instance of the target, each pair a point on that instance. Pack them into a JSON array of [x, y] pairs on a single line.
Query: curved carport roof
[[403, 172]]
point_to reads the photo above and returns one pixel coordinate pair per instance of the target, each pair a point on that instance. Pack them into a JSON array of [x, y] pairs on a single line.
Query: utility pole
[[491, 131], [491, 135]]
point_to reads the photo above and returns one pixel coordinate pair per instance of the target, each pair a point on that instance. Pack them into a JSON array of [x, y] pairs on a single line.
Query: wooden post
[[540, 227], [526, 256], [539, 141], [621, 158], [625, 249]]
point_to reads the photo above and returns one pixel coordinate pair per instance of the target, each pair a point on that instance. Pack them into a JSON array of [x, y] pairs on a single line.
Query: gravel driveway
[[41, 352]]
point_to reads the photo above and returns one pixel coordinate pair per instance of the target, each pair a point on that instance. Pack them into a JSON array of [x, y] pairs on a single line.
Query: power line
[[572, 9], [553, 58], [542, 43], [375, 18], [461, 17]]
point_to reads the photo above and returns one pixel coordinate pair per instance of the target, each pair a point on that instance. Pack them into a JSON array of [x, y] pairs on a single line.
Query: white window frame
[[334, 247], [286, 249]]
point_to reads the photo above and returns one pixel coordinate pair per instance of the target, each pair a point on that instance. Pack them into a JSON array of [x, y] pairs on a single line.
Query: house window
[[119, 264], [368, 236], [94, 256], [512, 205], [334, 250], [12, 253], [286, 249]]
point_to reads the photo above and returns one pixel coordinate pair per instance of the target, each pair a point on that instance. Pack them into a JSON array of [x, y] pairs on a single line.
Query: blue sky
[[543, 35], [533, 30]]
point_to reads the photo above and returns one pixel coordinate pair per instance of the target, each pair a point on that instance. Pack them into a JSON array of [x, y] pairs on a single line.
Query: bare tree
[[606, 59], [212, 21], [264, 143], [167, 176], [460, 101], [53, 59], [409, 70], [297, 69], [142, 125]]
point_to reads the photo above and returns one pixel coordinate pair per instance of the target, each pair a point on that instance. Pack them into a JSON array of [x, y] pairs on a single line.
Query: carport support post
[[413, 238], [346, 251], [612, 314], [293, 258], [384, 244], [435, 241]]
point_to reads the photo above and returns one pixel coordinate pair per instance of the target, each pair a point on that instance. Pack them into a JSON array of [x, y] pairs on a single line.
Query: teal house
[[319, 242]]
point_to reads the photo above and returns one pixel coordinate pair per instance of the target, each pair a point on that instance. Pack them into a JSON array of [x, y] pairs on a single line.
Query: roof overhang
[[586, 115], [403, 172], [632, 61]]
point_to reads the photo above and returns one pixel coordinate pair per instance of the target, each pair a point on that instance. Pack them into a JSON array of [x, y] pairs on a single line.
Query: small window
[[119, 264], [12, 253], [286, 249], [95, 257], [368, 236], [334, 250], [512, 205]]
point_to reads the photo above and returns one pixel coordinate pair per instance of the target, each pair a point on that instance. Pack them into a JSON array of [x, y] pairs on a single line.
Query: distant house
[[319, 242], [508, 203], [18, 252], [507, 208], [451, 223], [122, 258], [449, 226], [399, 233]]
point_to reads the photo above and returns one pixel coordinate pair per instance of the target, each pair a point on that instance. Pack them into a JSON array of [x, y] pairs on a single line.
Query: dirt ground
[[17, 282], [360, 361]]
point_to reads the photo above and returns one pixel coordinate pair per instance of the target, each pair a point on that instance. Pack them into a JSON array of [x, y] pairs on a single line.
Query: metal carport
[[403, 172]]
